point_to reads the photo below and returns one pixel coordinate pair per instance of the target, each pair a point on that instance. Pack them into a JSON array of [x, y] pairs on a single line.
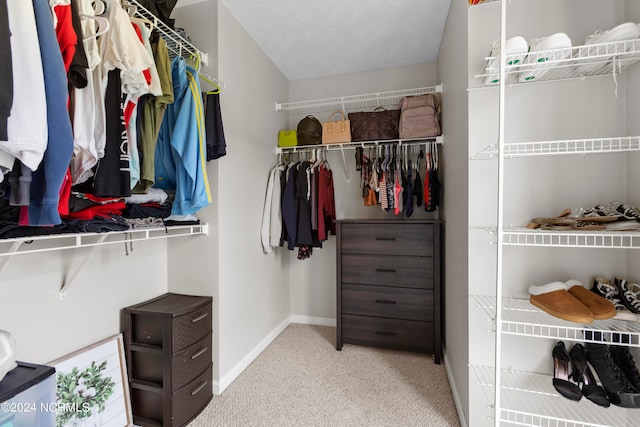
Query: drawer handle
[[385, 270], [385, 301], [200, 387], [198, 353], [386, 238], [391, 334], [199, 318]]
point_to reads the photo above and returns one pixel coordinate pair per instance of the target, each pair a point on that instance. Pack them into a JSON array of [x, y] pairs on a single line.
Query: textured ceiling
[[317, 38]]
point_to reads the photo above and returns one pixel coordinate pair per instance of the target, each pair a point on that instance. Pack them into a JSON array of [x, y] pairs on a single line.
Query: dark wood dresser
[[389, 284], [168, 352]]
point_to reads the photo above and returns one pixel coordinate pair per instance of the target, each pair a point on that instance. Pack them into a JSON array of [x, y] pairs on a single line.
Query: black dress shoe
[[582, 375], [623, 358], [619, 391], [561, 374]]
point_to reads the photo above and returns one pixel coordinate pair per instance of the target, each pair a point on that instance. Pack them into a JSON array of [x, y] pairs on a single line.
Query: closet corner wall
[[314, 293]]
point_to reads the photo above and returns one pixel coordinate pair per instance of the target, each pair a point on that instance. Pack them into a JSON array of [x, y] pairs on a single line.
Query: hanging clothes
[[112, 172], [153, 111], [271, 215], [49, 177], [26, 137], [77, 74], [289, 208], [6, 71], [326, 204], [180, 156], [216, 143]]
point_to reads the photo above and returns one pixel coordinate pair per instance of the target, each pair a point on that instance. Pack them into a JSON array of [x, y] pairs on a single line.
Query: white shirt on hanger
[[27, 124]]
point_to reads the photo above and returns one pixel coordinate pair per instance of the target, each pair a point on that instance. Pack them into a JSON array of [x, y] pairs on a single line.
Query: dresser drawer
[[388, 270], [191, 399], [191, 327], [388, 333], [189, 363], [387, 239], [380, 301]]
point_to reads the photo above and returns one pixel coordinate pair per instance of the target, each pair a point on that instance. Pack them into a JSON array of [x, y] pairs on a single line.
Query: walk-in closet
[[440, 282]]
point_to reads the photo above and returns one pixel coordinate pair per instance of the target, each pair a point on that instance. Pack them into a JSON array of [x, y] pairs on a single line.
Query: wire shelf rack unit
[[545, 407]]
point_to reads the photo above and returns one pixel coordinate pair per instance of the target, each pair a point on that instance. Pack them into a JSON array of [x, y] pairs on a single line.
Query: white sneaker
[[626, 31], [516, 46], [555, 47]]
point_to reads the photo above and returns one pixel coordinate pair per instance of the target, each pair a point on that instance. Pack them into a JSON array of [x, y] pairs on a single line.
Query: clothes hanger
[[143, 21], [102, 22], [131, 9], [99, 7], [212, 82]]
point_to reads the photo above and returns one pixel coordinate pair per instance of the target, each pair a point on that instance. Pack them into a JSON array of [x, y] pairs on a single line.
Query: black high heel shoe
[[582, 375], [561, 374]]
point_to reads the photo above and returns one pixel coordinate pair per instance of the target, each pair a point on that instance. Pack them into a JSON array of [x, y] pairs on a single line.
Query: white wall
[[452, 71], [45, 327], [253, 287], [313, 281]]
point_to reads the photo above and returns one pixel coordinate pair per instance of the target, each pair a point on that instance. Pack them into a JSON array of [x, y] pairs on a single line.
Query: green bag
[[287, 138]]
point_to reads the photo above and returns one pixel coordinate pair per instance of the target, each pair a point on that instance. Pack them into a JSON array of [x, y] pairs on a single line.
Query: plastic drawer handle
[[198, 353], [197, 319], [392, 334], [200, 387], [385, 238], [385, 270], [385, 301]]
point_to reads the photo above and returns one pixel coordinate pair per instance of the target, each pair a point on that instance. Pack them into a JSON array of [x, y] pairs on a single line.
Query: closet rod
[[362, 144], [175, 42]]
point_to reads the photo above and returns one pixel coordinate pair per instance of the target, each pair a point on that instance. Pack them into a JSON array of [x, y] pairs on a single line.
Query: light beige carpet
[[301, 380]]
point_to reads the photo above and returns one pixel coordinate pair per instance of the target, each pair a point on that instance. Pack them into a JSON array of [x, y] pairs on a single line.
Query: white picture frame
[[92, 388]]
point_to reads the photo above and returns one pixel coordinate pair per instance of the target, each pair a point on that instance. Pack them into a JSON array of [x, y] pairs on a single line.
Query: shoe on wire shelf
[[515, 51], [545, 53], [611, 292], [603, 64]]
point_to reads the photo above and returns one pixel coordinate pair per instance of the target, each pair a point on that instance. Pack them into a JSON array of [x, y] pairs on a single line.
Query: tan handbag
[[336, 132]]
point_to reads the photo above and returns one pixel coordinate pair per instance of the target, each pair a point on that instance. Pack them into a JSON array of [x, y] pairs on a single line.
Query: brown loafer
[[601, 308]]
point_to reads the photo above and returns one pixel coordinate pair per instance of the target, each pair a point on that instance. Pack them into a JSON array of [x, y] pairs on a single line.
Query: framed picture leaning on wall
[[92, 387]]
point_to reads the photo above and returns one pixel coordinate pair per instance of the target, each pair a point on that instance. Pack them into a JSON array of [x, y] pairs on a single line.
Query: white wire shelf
[[561, 147], [529, 399], [176, 44], [520, 317], [370, 100], [562, 64], [521, 236], [363, 144], [55, 242]]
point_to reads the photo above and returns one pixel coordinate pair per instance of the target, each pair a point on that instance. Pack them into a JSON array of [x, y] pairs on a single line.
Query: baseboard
[[219, 386], [311, 320], [454, 392]]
